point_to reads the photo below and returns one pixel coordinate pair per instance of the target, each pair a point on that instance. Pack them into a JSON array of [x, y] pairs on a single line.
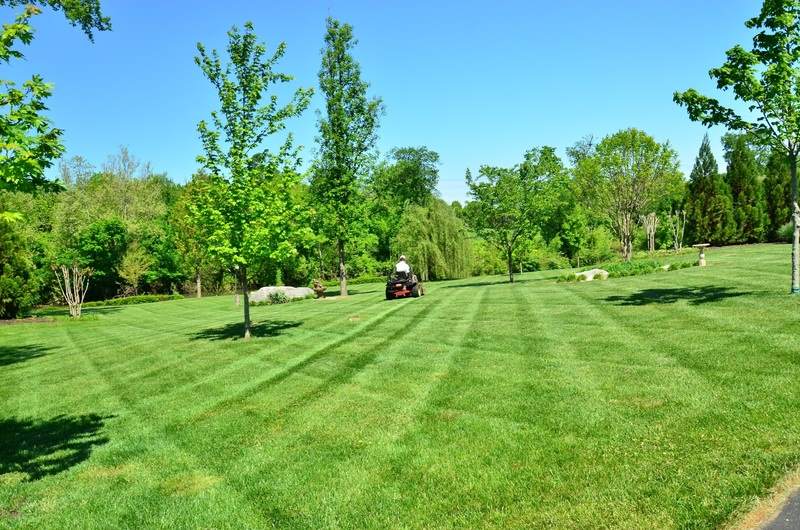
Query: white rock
[[291, 292], [591, 274]]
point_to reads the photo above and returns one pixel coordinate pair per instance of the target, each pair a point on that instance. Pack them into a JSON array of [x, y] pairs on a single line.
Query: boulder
[[291, 292], [592, 274]]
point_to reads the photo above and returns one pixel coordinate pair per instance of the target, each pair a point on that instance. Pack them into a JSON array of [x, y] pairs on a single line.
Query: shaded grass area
[[660, 401]]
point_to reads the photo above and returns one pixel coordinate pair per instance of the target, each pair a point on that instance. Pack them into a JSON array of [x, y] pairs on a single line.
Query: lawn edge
[[766, 508]]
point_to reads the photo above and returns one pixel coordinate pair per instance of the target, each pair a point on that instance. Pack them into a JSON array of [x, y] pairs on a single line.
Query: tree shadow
[[47, 447], [18, 354], [267, 328], [693, 295], [496, 282]]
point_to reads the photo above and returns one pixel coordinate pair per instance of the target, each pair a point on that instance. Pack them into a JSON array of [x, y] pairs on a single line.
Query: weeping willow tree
[[435, 241]]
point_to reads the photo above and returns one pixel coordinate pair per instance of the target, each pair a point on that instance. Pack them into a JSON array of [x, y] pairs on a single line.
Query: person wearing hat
[[402, 265]]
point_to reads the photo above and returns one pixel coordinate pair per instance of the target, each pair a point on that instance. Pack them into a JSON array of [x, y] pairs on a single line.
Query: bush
[[278, 297], [19, 287], [630, 268], [786, 232], [132, 300]]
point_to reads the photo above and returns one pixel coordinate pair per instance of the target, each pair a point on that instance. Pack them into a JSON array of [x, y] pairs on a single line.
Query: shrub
[[278, 297], [785, 232], [132, 300]]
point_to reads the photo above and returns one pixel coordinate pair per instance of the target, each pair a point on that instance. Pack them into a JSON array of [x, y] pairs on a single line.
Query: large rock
[[592, 274], [291, 292]]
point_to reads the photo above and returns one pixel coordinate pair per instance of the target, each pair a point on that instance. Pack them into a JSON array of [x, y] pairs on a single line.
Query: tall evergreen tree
[[709, 211], [777, 192], [746, 194]]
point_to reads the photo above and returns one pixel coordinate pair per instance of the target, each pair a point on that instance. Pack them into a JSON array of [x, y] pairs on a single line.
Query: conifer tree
[[777, 193], [709, 213], [746, 194]]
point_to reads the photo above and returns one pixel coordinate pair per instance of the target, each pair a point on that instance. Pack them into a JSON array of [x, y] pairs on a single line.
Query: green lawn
[[658, 401]]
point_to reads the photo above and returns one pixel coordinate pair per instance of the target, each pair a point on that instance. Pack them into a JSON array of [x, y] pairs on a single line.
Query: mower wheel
[[415, 291]]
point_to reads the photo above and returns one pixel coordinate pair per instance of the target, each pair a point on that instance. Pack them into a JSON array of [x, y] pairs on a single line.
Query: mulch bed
[[29, 320]]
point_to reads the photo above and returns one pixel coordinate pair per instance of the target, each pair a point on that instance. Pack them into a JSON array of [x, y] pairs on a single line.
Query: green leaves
[[764, 78], [245, 206]]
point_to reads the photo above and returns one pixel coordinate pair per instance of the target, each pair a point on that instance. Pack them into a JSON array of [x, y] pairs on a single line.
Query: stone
[[591, 274], [262, 295]]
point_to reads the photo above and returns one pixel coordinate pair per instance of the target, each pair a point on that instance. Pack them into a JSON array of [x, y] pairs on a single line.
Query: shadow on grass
[[693, 295], [496, 282], [46, 447], [64, 312], [268, 328], [18, 354]]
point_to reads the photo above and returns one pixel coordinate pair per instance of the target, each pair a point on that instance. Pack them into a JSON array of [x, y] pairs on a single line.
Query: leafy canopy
[[766, 78]]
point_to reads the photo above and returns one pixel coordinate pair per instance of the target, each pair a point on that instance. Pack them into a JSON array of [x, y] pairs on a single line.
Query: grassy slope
[[667, 400]]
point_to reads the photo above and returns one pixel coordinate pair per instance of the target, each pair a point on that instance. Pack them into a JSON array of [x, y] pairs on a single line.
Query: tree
[[412, 177], [101, 248], [188, 224], [29, 145], [134, 265], [748, 201], [709, 210], [17, 279], [777, 192], [435, 241], [506, 203], [348, 132], [624, 178], [764, 78], [249, 213]]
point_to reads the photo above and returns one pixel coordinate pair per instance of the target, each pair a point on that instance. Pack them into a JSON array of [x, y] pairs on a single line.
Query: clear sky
[[478, 82]]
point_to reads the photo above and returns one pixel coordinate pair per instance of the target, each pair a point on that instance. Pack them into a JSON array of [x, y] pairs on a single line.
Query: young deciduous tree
[[249, 213], [765, 78], [506, 204], [346, 140], [709, 211], [625, 177], [189, 228]]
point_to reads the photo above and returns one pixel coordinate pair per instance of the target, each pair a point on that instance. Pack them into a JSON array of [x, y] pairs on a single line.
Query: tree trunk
[[198, 284], [796, 225], [510, 267], [342, 270], [246, 300]]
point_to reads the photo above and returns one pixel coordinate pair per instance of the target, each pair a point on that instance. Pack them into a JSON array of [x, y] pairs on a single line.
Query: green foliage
[[132, 300], [785, 232], [348, 132], [629, 268], [777, 193], [18, 282], [101, 247], [435, 241], [83, 13], [248, 212], [278, 297], [135, 264], [709, 206], [746, 191], [508, 205], [29, 145], [625, 177]]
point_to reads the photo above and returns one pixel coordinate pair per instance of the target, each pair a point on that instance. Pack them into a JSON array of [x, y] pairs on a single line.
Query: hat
[[402, 258]]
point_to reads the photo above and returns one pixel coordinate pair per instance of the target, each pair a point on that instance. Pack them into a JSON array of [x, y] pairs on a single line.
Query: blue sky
[[479, 82]]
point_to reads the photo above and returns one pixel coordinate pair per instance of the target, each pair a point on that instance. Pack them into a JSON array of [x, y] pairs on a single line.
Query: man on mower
[[402, 266]]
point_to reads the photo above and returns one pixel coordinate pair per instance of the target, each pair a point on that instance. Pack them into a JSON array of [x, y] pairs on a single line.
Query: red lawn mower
[[403, 285]]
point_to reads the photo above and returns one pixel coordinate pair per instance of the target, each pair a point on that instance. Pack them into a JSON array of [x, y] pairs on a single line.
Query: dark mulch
[[29, 320]]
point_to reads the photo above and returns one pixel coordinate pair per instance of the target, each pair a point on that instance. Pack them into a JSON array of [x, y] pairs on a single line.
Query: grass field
[[670, 400]]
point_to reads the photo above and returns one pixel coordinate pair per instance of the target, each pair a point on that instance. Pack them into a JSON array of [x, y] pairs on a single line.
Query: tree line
[[251, 215]]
